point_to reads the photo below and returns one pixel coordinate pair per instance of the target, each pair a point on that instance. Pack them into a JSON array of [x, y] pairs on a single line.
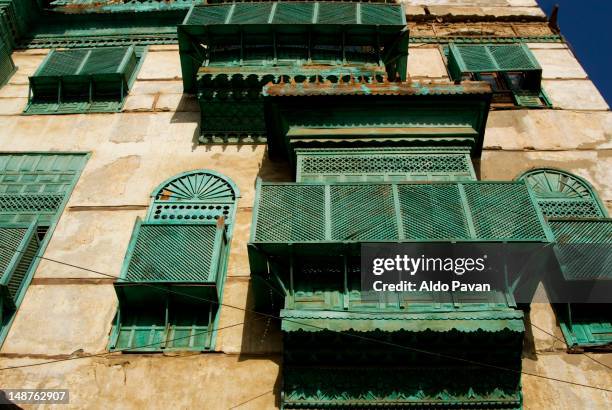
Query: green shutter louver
[[167, 292], [466, 59], [383, 164], [83, 80], [19, 245], [519, 75]]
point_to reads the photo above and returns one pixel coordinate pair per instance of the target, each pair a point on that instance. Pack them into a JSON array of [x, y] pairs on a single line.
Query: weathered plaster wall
[[67, 311]]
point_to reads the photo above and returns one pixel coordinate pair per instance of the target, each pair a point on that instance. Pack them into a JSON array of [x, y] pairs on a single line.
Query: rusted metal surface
[[358, 87]]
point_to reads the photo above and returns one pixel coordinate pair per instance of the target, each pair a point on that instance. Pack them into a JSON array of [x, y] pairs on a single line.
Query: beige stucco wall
[[67, 311]]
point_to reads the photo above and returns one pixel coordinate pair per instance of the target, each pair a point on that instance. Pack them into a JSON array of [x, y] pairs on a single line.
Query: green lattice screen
[[560, 194], [582, 247], [34, 186], [316, 212], [83, 80], [19, 244], [361, 165], [160, 252]]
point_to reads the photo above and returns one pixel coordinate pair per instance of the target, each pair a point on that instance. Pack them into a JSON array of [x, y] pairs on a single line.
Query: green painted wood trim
[[49, 234]]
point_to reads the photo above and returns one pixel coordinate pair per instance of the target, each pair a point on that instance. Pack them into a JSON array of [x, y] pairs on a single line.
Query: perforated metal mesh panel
[[363, 212], [291, 212], [432, 212], [503, 211], [174, 253]]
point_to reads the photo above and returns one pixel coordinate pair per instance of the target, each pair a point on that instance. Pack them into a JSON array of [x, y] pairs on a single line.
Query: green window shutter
[[464, 60], [383, 164], [83, 80], [560, 194], [20, 244]]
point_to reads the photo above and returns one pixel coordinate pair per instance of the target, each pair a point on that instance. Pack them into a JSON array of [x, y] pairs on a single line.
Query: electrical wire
[[364, 338], [561, 340]]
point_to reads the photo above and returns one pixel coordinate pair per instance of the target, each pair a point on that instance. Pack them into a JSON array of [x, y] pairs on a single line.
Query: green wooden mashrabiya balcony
[[582, 233], [305, 243], [83, 80], [229, 51], [359, 114], [173, 274]]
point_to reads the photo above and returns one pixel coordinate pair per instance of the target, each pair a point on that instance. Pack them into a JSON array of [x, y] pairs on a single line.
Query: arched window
[[175, 266], [561, 194], [201, 195]]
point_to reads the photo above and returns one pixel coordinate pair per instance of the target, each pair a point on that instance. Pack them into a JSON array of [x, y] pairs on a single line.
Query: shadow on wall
[[6, 403], [261, 334]]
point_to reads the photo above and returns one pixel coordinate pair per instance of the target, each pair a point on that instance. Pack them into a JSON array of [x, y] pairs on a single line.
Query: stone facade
[[67, 312]]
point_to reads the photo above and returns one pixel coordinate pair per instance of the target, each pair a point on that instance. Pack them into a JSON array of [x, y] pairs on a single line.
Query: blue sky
[[586, 24]]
